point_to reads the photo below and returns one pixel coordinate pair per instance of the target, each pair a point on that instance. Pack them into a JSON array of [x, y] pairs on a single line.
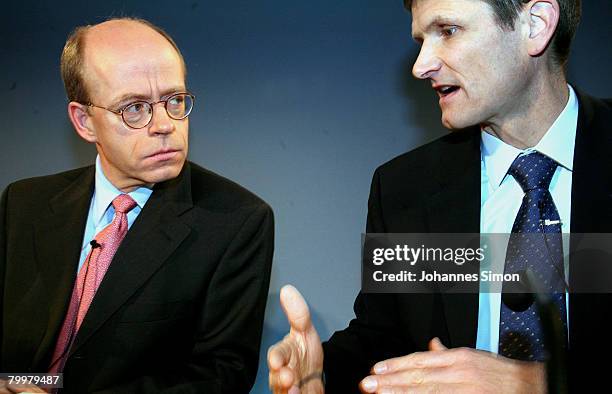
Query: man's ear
[[543, 21], [80, 118]]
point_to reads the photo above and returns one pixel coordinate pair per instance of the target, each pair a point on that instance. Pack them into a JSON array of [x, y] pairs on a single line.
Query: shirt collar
[[558, 144], [106, 192]]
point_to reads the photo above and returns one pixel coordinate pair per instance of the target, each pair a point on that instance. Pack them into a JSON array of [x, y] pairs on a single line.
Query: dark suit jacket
[[181, 307], [436, 189]]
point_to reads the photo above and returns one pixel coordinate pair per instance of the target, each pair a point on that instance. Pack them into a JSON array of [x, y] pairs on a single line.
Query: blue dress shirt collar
[[557, 143], [106, 192]]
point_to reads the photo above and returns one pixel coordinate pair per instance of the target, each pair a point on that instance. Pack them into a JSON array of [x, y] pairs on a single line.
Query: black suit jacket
[[436, 189], [181, 307]]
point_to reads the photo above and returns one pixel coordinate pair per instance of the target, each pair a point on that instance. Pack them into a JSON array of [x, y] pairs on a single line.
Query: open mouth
[[445, 90]]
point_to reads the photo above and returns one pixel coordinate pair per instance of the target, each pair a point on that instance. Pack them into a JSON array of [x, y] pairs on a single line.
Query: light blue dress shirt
[[101, 211], [501, 198]]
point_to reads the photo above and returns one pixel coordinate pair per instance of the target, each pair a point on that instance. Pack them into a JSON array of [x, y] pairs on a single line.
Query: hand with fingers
[[462, 370], [296, 362]]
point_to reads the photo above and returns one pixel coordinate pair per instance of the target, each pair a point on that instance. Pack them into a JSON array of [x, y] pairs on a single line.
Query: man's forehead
[[446, 4], [429, 13], [130, 57], [123, 35]]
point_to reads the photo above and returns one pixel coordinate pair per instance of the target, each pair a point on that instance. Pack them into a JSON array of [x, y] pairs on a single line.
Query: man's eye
[[135, 108], [449, 31], [177, 100]]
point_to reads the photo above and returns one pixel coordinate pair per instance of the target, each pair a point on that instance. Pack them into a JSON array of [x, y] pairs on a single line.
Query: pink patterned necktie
[[89, 277]]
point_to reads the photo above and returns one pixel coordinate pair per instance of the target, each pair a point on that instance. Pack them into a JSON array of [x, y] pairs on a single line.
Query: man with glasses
[[143, 272]]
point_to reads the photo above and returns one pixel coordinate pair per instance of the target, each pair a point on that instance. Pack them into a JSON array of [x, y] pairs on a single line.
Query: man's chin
[[455, 123], [165, 173]]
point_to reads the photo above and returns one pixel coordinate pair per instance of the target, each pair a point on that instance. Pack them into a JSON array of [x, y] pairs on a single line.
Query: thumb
[[435, 345], [295, 308]]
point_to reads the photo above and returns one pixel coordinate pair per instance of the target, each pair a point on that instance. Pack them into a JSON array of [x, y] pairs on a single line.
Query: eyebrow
[[438, 20], [128, 97]]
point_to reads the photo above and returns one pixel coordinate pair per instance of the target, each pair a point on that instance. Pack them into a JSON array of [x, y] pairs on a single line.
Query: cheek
[[114, 137], [124, 149], [490, 79], [135, 150], [183, 128], [182, 134], [186, 138]]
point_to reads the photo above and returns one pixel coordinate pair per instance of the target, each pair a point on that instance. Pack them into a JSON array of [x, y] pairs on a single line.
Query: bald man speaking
[[143, 272]]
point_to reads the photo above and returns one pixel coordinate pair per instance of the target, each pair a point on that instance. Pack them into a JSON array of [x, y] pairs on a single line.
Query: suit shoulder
[[421, 162], [584, 98], [215, 191], [606, 103], [42, 186], [601, 106], [593, 108]]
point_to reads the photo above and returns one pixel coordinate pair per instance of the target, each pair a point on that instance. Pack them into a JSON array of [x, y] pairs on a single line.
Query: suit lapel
[[454, 209], [57, 244], [153, 237]]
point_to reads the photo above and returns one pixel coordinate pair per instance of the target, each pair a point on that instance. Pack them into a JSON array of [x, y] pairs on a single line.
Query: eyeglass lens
[[139, 114]]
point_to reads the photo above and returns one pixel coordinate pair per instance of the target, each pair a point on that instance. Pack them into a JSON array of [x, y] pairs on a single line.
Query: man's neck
[[122, 183], [524, 125]]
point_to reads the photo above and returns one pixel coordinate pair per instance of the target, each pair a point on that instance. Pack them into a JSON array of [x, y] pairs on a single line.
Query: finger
[[295, 308], [435, 345], [386, 383], [3, 389], [413, 377], [287, 377], [281, 381], [369, 384], [415, 360], [24, 388], [279, 354], [274, 383], [374, 384]]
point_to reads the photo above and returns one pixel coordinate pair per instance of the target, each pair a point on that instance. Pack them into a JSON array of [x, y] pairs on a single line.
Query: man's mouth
[[445, 90], [164, 154]]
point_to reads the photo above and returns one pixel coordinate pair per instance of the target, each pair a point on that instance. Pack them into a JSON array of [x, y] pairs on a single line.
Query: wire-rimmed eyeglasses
[[138, 114]]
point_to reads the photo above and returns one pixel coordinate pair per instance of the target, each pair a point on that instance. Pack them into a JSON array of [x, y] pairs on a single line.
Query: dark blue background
[[299, 101]]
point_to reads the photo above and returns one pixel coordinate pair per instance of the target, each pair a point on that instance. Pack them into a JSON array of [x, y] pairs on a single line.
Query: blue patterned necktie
[[535, 244]]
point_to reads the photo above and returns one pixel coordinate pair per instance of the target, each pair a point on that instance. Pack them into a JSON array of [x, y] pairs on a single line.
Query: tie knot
[[123, 203], [533, 171]]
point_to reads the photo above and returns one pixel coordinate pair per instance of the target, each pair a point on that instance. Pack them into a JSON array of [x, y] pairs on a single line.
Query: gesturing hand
[[296, 362], [461, 370]]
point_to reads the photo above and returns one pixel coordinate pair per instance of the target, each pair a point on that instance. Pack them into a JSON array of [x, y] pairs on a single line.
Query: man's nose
[[427, 63], [161, 123]]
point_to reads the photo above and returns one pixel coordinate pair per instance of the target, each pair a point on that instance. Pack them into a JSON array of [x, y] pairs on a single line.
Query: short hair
[[507, 11], [72, 59]]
